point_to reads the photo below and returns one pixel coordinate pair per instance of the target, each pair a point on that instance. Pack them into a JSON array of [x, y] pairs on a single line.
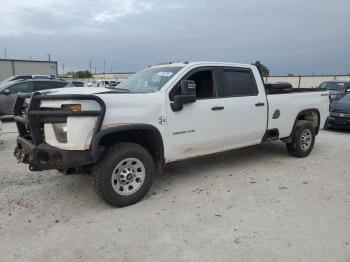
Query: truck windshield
[[149, 80]]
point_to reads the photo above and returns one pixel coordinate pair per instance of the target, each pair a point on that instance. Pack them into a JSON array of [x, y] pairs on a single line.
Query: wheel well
[[149, 138], [311, 115]]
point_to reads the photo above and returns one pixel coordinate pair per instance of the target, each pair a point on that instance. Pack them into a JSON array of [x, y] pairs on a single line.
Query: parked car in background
[[75, 83], [9, 90], [107, 83], [113, 83], [346, 89], [103, 83], [25, 77], [339, 116], [335, 88]]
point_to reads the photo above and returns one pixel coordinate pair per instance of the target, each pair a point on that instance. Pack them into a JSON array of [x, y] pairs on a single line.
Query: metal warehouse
[[10, 67]]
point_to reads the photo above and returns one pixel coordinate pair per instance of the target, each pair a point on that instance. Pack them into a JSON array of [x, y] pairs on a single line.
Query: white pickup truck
[[160, 115]]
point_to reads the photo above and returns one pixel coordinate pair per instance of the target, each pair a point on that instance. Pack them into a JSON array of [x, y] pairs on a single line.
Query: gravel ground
[[254, 204]]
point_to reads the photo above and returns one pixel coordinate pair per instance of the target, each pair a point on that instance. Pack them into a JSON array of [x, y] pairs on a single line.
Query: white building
[[10, 67]]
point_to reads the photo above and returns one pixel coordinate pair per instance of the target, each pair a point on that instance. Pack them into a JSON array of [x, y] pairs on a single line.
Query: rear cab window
[[239, 82]]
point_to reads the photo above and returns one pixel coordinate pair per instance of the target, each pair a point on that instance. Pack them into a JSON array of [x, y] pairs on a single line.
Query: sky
[[299, 37]]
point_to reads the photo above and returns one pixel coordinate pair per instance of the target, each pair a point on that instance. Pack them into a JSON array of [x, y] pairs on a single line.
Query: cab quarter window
[[239, 83]]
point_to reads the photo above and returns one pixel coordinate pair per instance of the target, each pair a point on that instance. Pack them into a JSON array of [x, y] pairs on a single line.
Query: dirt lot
[[255, 204]]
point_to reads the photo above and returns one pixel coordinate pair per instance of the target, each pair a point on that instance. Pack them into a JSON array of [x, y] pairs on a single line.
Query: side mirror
[[6, 92], [187, 96]]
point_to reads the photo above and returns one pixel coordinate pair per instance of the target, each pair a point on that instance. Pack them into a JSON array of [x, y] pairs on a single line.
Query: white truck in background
[[160, 115]]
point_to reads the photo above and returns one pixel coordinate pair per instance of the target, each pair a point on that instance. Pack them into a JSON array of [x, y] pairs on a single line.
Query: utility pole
[[63, 69], [49, 57], [95, 70], [5, 53], [90, 65], [104, 69]]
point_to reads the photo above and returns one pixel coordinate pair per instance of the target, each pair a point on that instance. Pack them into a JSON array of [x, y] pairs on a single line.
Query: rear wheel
[[124, 175], [303, 139]]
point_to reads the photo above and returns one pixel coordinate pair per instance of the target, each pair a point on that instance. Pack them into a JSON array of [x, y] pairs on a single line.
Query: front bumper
[[46, 157], [32, 148], [337, 120]]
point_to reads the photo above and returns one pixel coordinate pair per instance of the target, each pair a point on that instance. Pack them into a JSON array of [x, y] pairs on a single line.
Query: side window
[[26, 87], [43, 85], [204, 82], [239, 83], [205, 85], [61, 84]]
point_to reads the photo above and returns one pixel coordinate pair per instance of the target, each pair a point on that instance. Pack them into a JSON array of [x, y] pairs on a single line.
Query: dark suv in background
[[339, 116], [9, 90], [335, 88], [25, 77]]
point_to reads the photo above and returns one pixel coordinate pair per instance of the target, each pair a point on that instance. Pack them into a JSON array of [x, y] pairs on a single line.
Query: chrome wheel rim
[[128, 176], [306, 139]]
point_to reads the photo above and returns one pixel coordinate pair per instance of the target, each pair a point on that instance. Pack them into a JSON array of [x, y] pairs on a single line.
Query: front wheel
[[124, 175], [303, 139]]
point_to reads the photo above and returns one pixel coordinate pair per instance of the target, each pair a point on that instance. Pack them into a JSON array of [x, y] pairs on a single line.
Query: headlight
[[60, 132], [72, 107]]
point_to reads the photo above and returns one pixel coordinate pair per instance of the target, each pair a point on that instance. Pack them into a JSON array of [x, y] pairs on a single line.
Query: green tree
[[264, 71], [290, 74], [82, 74]]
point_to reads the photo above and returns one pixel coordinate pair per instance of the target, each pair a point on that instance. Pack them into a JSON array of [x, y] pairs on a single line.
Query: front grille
[[339, 114], [30, 119]]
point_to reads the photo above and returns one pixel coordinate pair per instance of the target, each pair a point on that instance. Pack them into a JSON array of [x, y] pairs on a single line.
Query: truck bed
[[285, 107]]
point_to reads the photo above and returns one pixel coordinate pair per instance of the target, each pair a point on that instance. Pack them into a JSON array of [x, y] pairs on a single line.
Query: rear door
[[245, 108]]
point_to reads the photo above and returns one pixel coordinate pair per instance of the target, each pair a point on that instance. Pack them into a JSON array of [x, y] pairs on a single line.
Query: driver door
[[199, 128]]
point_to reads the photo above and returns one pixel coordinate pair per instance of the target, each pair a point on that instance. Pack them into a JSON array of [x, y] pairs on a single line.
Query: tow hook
[[20, 155]]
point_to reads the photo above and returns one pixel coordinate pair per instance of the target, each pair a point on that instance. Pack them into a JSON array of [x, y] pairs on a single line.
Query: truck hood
[[121, 107], [76, 91]]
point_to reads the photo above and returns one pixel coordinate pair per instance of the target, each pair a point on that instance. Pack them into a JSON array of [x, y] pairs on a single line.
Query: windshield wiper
[[122, 89], [118, 89]]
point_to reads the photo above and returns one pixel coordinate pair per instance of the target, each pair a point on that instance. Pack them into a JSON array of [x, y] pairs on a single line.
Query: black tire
[[109, 165], [299, 147], [327, 125]]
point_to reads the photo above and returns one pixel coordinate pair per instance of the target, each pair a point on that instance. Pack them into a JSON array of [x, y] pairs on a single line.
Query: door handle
[[215, 108], [260, 104]]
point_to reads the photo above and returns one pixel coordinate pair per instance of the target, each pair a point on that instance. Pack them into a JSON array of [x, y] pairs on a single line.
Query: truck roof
[[204, 63]]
